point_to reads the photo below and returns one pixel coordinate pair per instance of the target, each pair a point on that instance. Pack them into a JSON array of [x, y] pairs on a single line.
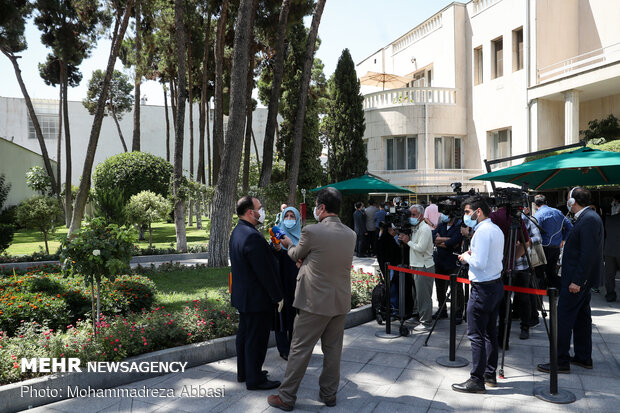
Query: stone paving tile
[[85, 404], [357, 355], [390, 360], [377, 374], [392, 406]]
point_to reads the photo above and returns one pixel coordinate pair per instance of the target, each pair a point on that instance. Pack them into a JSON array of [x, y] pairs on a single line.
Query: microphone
[[276, 234]]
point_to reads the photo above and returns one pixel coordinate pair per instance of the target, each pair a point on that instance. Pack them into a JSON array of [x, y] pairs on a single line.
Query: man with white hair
[[421, 259]]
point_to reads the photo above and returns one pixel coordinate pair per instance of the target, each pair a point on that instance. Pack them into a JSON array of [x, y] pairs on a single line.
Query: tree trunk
[[303, 98], [198, 206], [47, 250], [118, 127], [200, 175], [167, 122], [225, 192], [272, 112], [35, 120], [92, 305], [208, 115], [98, 301], [218, 121], [150, 236], [59, 141], [68, 161], [82, 195], [179, 206], [190, 202], [135, 144], [173, 97], [255, 148], [190, 212], [248, 126]]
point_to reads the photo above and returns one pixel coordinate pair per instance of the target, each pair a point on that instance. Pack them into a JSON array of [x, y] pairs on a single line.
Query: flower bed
[[362, 284]]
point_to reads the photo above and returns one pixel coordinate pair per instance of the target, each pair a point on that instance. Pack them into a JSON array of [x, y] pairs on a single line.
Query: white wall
[[14, 125]]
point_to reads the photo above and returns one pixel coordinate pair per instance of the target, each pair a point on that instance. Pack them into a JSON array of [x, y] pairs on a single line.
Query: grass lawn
[[175, 288], [28, 241]]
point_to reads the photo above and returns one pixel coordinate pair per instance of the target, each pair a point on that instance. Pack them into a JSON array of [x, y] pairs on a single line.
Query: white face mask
[[261, 215], [315, 213]]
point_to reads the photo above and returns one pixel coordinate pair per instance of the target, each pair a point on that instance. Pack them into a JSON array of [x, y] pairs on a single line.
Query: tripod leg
[[443, 306]]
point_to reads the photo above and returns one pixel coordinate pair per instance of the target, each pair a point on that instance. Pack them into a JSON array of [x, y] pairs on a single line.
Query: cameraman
[[447, 238], [421, 259], [485, 269]]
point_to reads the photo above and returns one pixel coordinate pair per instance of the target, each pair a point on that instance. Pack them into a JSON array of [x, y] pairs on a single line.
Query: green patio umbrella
[[366, 184], [584, 166]]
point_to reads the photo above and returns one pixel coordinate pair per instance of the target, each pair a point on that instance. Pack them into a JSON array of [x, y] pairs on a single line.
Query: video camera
[[515, 198], [398, 218], [451, 205]]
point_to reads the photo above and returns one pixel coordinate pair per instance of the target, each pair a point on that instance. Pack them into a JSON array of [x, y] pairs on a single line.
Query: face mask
[[413, 221], [316, 213], [469, 221], [261, 216], [445, 218], [289, 223]]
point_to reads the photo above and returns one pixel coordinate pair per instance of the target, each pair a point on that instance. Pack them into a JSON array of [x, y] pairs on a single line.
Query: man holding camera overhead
[[485, 270]]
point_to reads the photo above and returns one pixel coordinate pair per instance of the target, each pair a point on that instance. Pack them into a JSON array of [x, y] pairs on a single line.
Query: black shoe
[[546, 368], [379, 319], [266, 385], [284, 356], [470, 386], [242, 379], [585, 364], [490, 380], [610, 297], [444, 314], [535, 323], [458, 321], [328, 403], [596, 290], [525, 334]]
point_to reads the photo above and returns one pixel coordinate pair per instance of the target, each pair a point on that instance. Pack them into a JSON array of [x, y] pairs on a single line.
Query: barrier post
[[553, 395], [388, 320], [452, 360]]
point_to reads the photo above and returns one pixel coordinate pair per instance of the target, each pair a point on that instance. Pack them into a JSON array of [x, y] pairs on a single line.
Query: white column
[[533, 125], [571, 116]]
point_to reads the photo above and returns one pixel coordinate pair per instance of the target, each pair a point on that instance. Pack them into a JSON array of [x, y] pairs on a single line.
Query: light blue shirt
[[487, 252], [554, 224]]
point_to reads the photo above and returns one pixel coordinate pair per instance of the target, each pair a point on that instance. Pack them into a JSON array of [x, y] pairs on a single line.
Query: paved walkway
[[399, 375]]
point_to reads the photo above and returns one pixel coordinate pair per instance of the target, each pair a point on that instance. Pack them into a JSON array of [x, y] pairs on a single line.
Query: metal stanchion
[[388, 316], [553, 394], [452, 360]]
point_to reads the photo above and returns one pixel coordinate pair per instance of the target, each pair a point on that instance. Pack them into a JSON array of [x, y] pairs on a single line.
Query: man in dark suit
[[359, 225], [255, 292], [581, 267]]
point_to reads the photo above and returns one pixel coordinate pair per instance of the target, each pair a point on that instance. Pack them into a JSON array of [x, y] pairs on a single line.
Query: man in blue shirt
[[555, 229], [485, 270], [447, 238]]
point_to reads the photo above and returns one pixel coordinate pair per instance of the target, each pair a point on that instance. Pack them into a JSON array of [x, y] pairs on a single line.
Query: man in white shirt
[[485, 269], [421, 259]]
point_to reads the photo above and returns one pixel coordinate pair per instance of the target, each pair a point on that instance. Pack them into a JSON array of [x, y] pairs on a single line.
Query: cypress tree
[[345, 123]]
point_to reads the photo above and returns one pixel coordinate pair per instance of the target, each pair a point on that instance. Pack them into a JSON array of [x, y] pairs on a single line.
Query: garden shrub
[[7, 229], [134, 172], [39, 181], [362, 284], [42, 213], [110, 205], [146, 207]]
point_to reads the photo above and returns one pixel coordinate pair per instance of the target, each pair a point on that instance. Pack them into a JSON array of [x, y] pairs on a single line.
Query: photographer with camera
[[447, 238], [421, 259], [485, 269], [555, 229]]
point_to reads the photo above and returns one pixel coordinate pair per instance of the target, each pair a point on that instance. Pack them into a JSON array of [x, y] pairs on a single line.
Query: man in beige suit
[[323, 298]]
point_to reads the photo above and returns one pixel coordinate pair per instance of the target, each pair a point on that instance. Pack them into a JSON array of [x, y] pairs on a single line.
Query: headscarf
[[293, 233]]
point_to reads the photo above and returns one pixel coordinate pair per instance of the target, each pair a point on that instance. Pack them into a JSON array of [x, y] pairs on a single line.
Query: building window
[[517, 49], [497, 50], [47, 114], [448, 152], [499, 145], [401, 153], [478, 65]]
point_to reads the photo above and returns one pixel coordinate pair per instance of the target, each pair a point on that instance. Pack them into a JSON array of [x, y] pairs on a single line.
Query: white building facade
[[490, 79], [16, 127]]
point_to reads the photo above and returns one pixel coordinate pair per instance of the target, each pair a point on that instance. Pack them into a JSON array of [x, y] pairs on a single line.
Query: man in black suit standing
[[581, 268], [359, 225], [255, 291]]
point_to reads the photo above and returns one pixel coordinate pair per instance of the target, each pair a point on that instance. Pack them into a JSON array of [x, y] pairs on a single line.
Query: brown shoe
[[274, 401]]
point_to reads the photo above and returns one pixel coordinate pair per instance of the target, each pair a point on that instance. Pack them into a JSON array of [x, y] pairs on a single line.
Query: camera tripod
[[516, 234], [459, 274]]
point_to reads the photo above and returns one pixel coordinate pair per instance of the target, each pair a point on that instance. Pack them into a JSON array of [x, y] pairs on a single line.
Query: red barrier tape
[[466, 281]]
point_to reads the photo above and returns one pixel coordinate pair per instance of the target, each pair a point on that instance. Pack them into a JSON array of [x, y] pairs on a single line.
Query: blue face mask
[[445, 218], [413, 221], [467, 219], [289, 223]]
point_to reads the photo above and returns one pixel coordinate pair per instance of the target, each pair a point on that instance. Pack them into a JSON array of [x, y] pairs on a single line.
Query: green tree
[[145, 208], [42, 213], [119, 99], [38, 180], [134, 172], [345, 123], [13, 41], [70, 29], [6, 230], [607, 128]]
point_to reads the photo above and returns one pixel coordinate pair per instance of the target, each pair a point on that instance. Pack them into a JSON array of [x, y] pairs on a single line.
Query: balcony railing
[[580, 63], [410, 96], [429, 26], [480, 5], [432, 177]]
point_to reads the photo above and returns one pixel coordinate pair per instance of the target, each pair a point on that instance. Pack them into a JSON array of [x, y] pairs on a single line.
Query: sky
[[362, 26]]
